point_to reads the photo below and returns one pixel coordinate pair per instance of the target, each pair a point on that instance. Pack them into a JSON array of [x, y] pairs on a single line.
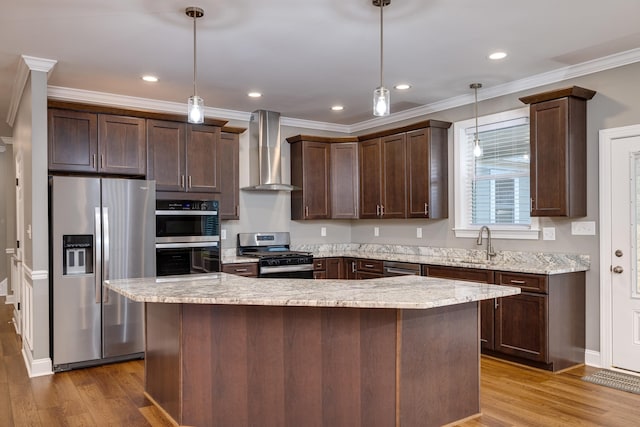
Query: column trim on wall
[[25, 66]]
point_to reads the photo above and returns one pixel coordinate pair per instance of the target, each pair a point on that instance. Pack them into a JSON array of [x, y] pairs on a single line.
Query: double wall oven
[[187, 237], [275, 259]]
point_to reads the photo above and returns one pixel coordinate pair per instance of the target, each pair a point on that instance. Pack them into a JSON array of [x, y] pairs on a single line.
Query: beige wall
[[617, 103]]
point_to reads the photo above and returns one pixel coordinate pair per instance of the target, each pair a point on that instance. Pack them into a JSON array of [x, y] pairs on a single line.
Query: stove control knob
[[203, 206]]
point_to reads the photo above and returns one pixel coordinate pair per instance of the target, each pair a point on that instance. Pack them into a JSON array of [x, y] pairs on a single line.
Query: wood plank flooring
[[112, 395]]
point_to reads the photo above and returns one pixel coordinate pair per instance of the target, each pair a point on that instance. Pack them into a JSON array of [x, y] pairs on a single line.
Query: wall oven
[[187, 237]]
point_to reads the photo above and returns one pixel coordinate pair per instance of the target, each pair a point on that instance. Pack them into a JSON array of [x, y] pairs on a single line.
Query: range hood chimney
[[264, 153]]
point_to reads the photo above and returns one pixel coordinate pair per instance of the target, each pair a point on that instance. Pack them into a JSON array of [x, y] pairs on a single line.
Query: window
[[493, 189]]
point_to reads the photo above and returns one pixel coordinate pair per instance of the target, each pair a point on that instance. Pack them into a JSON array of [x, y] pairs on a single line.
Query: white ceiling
[[306, 55]]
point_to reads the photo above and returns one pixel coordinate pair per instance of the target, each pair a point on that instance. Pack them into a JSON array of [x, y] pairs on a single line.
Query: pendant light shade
[[195, 105], [381, 99], [477, 150]]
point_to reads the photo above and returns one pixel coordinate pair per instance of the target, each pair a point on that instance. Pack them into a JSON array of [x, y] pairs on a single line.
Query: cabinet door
[[549, 127], [165, 155], [229, 157], [394, 170], [521, 326], [344, 180], [121, 142], [334, 268], [349, 268], [247, 269], [427, 173], [316, 186], [203, 173], [73, 141], [370, 162]]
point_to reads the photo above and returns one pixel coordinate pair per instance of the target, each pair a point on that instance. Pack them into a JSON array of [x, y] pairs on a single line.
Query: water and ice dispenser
[[77, 253]]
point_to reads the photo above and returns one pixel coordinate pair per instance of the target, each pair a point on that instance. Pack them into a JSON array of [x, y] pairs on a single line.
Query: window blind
[[498, 191]]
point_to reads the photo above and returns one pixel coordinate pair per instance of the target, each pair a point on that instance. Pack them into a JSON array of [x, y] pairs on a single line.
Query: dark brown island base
[[234, 351]]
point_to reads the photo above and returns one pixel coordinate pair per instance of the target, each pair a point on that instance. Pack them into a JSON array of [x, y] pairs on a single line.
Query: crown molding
[[554, 76], [26, 64]]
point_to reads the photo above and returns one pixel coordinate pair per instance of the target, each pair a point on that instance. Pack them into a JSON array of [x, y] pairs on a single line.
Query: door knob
[[617, 269]]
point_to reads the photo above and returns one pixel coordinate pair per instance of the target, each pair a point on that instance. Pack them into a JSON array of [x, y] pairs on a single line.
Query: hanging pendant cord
[[381, 41], [476, 112], [194, 53]]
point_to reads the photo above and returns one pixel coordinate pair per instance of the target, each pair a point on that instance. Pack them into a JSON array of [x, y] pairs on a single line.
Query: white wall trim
[[3, 287], [592, 358], [606, 138], [10, 251], [11, 299], [554, 76], [36, 368], [25, 66], [35, 274]]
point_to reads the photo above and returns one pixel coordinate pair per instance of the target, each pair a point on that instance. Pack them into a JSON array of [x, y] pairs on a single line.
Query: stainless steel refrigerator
[[100, 229]]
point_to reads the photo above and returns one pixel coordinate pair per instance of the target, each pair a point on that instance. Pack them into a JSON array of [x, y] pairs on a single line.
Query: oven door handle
[[286, 268], [187, 213], [186, 245]]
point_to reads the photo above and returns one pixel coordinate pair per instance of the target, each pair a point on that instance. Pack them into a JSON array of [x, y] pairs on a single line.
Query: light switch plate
[[323, 231], [419, 232], [376, 231], [583, 228], [548, 233]]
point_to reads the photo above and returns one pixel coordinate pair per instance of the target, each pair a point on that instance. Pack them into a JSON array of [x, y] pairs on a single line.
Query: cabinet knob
[[381, 210], [93, 160], [181, 181], [426, 209], [189, 181], [377, 210], [306, 211]]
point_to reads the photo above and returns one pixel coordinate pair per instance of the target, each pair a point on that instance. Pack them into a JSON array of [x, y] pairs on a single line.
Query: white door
[[624, 258]]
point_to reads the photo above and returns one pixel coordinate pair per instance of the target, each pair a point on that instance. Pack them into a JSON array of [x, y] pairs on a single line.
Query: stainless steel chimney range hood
[[264, 153]]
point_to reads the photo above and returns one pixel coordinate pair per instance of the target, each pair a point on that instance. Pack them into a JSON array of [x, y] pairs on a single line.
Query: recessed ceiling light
[[337, 108], [498, 55], [150, 78], [254, 94], [402, 86]]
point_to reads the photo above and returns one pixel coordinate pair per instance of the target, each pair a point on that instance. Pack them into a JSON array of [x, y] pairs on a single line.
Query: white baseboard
[[36, 368], [11, 299], [592, 358], [3, 288]]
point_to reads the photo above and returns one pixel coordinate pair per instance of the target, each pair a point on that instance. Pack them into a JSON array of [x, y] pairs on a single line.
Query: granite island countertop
[[400, 292]]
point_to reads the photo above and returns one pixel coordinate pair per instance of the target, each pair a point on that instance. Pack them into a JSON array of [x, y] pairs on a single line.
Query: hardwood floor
[[112, 395]]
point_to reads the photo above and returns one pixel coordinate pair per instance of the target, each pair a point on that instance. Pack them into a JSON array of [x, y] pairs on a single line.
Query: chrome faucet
[[490, 251]]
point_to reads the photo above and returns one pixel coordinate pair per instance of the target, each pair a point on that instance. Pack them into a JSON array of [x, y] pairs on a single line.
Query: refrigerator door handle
[[105, 269], [98, 255]]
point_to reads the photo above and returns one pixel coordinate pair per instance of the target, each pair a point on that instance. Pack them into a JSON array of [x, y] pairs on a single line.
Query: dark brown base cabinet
[[328, 268], [544, 326]]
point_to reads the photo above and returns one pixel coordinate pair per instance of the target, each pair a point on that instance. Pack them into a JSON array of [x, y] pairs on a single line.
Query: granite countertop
[[520, 262], [402, 292]]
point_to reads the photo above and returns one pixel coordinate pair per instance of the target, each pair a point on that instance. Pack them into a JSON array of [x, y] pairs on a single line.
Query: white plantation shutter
[[497, 191]]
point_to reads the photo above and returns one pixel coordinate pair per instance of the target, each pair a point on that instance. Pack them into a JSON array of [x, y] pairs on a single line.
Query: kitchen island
[[224, 350]]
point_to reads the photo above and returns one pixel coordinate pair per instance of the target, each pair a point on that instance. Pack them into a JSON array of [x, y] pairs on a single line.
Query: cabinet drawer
[[373, 266], [470, 274], [319, 264], [526, 282], [248, 269]]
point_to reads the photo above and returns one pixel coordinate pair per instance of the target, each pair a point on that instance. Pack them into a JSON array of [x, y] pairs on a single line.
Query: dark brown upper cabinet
[[183, 157], [344, 180], [311, 173], [229, 155], [558, 122], [96, 143], [427, 171], [383, 177]]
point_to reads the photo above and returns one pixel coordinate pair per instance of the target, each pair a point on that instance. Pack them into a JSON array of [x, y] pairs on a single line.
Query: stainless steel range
[[275, 259]]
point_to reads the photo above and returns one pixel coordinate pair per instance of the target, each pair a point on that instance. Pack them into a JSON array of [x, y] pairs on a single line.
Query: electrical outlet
[[376, 231], [419, 232], [323, 231], [223, 234], [548, 233], [583, 228]]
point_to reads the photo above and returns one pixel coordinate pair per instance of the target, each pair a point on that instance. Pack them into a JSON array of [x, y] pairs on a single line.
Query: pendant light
[[195, 106], [477, 151], [381, 100]]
